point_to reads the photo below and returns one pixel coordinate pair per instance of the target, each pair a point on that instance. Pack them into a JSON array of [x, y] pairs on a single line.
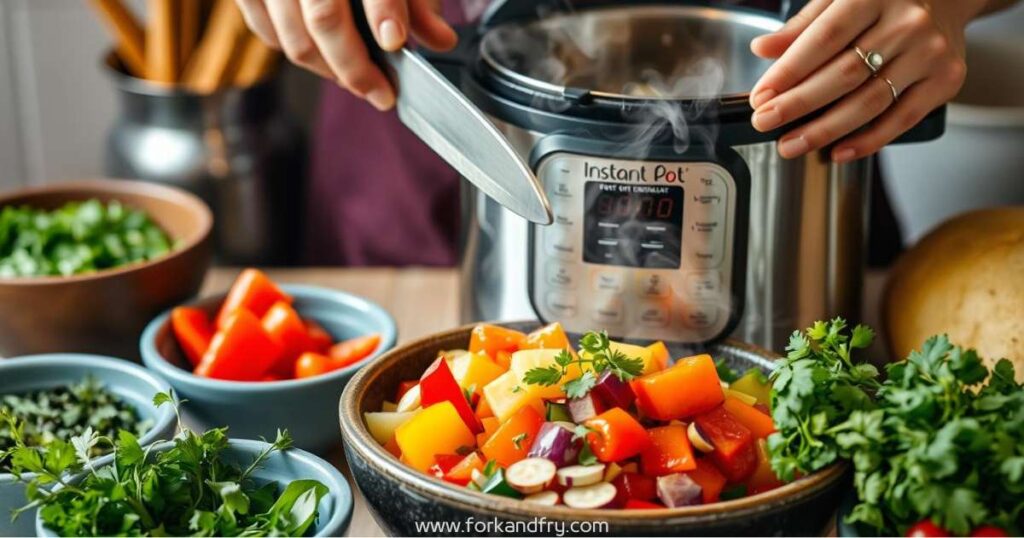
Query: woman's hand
[[819, 68], [321, 36]]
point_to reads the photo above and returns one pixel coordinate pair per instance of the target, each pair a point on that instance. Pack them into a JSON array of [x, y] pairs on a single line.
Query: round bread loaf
[[964, 279]]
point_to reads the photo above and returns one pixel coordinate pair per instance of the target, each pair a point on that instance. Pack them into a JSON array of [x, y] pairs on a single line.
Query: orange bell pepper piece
[[483, 409], [710, 480], [437, 429], [353, 350], [512, 440], [240, 351], [491, 339], [393, 448], [616, 436], [490, 425], [311, 365], [462, 473], [284, 326], [660, 354], [759, 423], [252, 291], [764, 478], [669, 451], [193, 331], [688, 388], [735, 447], [548, 337], [503, 359]]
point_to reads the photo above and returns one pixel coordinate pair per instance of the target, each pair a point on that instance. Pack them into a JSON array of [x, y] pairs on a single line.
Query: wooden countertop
[[423, 301]]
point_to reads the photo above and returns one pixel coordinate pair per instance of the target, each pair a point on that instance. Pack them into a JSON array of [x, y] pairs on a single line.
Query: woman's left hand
[[920, 43]]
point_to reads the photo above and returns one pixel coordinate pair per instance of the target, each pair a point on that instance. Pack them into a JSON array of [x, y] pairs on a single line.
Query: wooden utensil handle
[[127, 32], [161, 41], [212, 65], [256, 62]]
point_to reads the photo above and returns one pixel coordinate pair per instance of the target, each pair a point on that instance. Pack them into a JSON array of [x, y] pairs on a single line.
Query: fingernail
[[843, 155], [391, 35], [381, 99], [766, 120], [793, 147], [763, 97]]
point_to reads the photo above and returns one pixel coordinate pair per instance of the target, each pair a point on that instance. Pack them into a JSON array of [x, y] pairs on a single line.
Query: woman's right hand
[[321, 36]]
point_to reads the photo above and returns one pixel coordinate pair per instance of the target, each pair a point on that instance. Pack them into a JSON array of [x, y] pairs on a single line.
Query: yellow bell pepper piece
[[506, 395], [437, 429], [475, 370]]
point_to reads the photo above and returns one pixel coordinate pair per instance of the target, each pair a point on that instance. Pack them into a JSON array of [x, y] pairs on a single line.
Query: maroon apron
[[378, 195]]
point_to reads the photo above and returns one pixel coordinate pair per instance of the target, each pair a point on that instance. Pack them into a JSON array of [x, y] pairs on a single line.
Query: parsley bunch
[[929, 442], [190, 489], [597, 352]]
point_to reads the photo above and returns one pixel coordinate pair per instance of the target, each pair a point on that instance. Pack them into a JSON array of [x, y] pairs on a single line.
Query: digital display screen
[[633, 225]]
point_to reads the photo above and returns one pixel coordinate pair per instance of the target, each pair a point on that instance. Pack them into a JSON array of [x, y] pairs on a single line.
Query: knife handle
[[377, 54]]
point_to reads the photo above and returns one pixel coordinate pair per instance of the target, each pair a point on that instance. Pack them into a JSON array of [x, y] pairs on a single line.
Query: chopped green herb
[[726, 372], [598, 354], [517, 441], [79, 237]]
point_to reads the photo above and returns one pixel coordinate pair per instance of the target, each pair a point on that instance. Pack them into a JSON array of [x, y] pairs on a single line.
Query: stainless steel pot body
[[238, 149], [805, 245]]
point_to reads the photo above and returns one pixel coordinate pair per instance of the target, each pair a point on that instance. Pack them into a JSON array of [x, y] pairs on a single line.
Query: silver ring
[[892, 87], [873, 59]]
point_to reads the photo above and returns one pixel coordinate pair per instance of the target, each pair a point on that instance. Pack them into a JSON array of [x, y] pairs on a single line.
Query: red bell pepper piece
[[635, 486], [403, 387], [690, 387], [193, 331], [444, 463], [319, 336], [252, 291], [634, 504], [759, 424], [616, 436], [240, 351], [669, 451], [735, 448], [437, 384], [462, 472], [710, 480], [284, 326], [491, 339], [353, 350]]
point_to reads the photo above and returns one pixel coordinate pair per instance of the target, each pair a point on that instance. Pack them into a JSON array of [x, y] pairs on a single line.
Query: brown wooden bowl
[[401, 498], [105, 312]]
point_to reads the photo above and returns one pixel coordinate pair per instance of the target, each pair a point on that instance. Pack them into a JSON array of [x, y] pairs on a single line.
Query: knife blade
[[451, 125]]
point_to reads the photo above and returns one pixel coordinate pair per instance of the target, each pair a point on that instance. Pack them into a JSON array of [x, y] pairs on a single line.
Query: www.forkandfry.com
[[540, 526]]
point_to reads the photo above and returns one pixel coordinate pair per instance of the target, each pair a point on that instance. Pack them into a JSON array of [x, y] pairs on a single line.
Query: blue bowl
[[253, 410], [335, 512], [130, 382]]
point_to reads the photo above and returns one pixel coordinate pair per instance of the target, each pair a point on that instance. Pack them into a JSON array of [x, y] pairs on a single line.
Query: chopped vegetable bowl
[[525, 426]]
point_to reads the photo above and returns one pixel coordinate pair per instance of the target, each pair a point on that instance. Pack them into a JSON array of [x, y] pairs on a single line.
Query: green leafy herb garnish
[[929, 442], [188, 489], [518, 440], [597, 352]]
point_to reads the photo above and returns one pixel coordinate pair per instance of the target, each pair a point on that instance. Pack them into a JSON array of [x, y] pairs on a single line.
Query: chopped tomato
[[512, 440], [988, 531], [634, 504], [492, 339], [252, 291], [735, 449], [353, 350], [926, 529], [193, 330], [635, 486], [240, 351], [669, 451], [616, 436], [311, 365]]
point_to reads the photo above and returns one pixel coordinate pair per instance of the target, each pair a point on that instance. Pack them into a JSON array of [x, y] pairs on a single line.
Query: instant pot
[[674, 218]]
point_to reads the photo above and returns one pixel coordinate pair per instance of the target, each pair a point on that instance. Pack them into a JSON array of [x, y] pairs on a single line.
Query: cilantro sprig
[[930, 441], [597, 352], [189, 489]]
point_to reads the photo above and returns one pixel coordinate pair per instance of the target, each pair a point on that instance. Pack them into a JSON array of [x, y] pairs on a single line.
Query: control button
[[564, 219], [653, 314], [704, 285], [608, 310], [559, 242], [562, 305], [653, 285], [561, 275], [609, 281], [706, 241], [701, 316]]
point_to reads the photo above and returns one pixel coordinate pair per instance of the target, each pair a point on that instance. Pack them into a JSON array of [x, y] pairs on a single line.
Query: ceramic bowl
[[282, 467], [401, 498], [133, 384], [104, 312], [257, 409]]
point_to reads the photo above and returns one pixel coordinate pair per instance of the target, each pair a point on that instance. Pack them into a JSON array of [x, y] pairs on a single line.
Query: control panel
[[644, 250]]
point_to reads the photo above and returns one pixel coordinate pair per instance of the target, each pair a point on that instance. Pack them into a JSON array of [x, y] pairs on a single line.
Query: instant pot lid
[[657, 52]]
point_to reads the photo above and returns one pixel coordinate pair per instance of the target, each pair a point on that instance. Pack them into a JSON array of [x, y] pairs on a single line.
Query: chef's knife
[[433, 108]]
